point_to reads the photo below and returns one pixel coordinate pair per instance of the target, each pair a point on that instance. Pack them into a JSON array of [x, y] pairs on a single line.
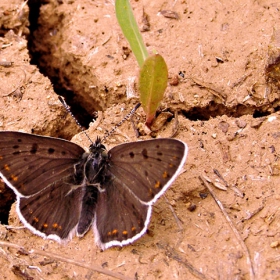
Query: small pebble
[[274, 244]]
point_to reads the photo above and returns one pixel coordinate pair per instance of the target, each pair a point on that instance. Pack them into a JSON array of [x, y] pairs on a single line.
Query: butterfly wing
[[138, 173], [52, 213], [40, 170], [29, 163], [148, 168], [120, 217]]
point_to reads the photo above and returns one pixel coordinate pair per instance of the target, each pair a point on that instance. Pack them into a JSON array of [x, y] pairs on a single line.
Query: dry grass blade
[[180, 258], [233, 228]]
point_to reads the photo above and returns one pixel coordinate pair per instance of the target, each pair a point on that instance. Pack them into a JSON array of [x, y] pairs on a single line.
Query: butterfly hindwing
[[120, 217], [53, 212]]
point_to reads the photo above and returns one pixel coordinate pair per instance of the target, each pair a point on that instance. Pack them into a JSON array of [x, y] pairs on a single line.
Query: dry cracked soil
[[223, 100]]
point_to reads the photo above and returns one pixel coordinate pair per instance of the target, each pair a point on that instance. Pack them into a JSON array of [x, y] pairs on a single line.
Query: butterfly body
[[62, 190]]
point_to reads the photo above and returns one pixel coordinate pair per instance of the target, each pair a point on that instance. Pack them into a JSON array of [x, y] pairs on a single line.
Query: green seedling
[[152, 84], [153, 69], [130, 30]]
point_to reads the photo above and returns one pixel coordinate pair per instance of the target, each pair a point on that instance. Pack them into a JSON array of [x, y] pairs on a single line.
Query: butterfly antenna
[[61, 99], [128, 116]]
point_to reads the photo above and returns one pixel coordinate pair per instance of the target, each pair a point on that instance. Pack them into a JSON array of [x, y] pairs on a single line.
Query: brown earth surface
[[226, 108]]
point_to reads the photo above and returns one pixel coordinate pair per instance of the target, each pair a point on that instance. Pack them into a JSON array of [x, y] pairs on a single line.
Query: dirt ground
[[224, 99]]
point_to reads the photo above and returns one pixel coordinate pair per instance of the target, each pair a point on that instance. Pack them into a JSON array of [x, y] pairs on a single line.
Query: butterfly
[[62, 190]]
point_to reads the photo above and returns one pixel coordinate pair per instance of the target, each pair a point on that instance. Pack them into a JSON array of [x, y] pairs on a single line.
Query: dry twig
[[63, 259]]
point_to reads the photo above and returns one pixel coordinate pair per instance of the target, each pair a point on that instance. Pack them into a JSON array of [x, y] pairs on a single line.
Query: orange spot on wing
[[157, 184], [6, 167], [165, 175], [13, 177]]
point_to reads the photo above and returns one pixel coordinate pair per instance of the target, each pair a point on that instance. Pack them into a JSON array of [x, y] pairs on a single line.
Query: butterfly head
[[97, 156], [97, 147]]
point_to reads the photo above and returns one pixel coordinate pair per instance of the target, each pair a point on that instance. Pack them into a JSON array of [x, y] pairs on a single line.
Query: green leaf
[[152, 84], [130, 30]]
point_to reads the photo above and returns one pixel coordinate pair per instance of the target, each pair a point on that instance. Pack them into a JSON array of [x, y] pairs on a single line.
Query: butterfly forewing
[[147, 168], [29, 163]]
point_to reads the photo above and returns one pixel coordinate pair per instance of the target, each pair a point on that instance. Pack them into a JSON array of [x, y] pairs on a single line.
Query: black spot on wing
[[131, 154], [51, 151], [34, 149], [145, 154]]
